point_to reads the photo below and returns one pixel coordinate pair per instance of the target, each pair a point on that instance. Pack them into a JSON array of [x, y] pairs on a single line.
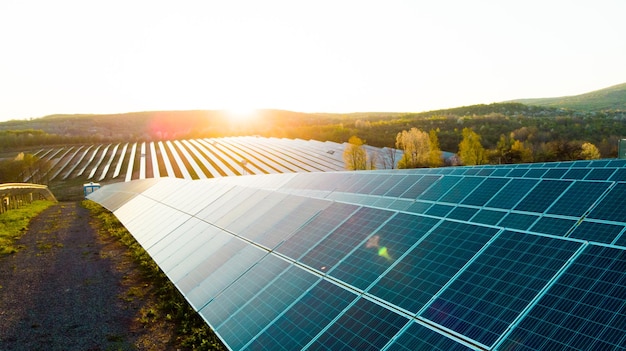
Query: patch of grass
[[14, 223], [191, 330]]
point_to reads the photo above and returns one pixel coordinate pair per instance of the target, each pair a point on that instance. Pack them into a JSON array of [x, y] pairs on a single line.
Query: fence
[[15, 195]]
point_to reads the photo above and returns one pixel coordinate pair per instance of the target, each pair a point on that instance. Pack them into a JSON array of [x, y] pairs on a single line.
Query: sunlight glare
[[241, 114]]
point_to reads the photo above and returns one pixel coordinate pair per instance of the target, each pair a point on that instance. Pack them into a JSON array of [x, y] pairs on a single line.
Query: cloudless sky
[[114, 56]]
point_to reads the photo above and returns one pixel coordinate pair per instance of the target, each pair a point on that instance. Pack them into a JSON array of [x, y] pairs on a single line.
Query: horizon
[[71, 57]]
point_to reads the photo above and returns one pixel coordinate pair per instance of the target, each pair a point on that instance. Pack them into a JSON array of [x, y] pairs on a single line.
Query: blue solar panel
[[512, 193], [396, 259], [492, 292], [611, 208], [364, 326], [578, 198], [488, 217], [261, 308], [439, 210], [483, 193], [345, 238], [553, 226], [305, 319], [462, 189], [381, 249], [518, 221], [598, 232], [419, 337], [462, 213], [316, 229], [439, 188], [542, 196], [425, 269], [584, 310]]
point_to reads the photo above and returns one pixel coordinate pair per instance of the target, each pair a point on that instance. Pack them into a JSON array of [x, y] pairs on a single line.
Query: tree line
[[420, 149]]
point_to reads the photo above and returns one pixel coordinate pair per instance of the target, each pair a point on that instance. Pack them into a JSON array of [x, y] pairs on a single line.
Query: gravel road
[[67, 290]]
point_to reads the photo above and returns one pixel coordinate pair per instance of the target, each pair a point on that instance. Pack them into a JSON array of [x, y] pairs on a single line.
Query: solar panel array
[[199, 159], [521, 257]]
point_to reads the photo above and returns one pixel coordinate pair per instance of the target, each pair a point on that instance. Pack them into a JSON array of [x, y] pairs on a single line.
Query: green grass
[[191, 331], [14, 223]]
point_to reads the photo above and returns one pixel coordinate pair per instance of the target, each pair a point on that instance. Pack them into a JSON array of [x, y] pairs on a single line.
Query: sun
[[240, 114]]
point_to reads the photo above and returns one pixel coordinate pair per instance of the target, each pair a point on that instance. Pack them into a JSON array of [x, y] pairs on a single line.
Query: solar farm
[[192, 159], [499, 257]]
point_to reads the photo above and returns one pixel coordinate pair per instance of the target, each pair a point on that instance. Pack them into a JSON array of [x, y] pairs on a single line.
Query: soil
[[71, 288]]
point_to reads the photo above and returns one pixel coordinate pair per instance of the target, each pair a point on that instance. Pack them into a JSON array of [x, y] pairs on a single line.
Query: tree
[[372, 159], [589, 152], [354, 155], [435, 157], [521, 152], [421, 149], [471, 151]]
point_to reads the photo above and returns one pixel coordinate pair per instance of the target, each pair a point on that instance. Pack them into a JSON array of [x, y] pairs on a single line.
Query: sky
[[71, 56]]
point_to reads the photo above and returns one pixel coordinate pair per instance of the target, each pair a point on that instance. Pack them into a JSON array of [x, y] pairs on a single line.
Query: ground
[[72, 288]]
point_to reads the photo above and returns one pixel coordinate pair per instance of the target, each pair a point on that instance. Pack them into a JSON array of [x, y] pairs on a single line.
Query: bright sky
[[116, 56]]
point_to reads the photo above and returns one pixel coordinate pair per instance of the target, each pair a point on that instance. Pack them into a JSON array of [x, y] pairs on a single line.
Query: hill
[[611, 98]]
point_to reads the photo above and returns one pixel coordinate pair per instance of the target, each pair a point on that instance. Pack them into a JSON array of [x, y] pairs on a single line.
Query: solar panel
[[499, 284], [528, 257], [583, 310]]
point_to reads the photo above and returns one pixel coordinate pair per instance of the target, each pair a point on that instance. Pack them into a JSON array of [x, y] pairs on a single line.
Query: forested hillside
[[543, 129], [611, 98]]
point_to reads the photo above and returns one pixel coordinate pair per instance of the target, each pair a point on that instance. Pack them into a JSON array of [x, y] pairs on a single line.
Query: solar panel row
[[193, 159], [442, 259]]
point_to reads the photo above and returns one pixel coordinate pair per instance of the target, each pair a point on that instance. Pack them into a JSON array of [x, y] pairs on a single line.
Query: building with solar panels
[[510, 257]]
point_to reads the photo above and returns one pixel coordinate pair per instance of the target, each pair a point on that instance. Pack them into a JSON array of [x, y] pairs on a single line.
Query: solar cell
[[419, 207], [381, 249], [316, 229], [576, 173], [518, 172], [619, 175], [488, 217], [495, 288], [542, 196], [462, 213], [555, 173], [462, 189], [483, 192], [439, 188], [611, 208], [535, 173], [553, 226], [364, 326], [302, 321], [598, 232], [517, 221], [583, 310], [400, 187], [420, 186], [419, 337], [600, 173], [425, 269], [258, 305], [439, 210], [512, 193], [328, 252], [387, 182], [578, 198]]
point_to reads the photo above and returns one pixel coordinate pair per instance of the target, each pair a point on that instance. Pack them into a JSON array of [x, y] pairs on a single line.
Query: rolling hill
[[611, 98]]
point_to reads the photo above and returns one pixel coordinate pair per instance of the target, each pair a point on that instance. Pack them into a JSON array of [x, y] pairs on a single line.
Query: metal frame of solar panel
[[524, 257]]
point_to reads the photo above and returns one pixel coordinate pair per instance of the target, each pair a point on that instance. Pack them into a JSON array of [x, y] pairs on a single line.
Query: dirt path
[[65, 290]]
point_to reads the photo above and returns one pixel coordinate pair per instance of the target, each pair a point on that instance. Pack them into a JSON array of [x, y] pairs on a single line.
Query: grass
[[191, 331], [14, 223]]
